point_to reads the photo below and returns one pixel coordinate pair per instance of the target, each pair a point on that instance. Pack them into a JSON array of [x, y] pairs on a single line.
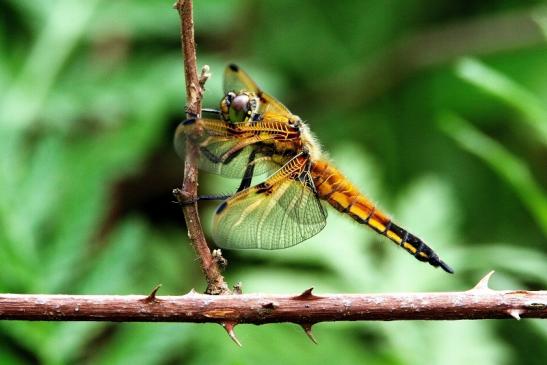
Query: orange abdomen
[[332, 186]]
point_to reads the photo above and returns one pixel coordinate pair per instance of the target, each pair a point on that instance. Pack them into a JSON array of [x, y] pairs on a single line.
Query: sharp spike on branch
[[515, 313], [483, 283], [307, 329], [229, 327], [238, 288], [191, 292], [306, 295], [152, 296]]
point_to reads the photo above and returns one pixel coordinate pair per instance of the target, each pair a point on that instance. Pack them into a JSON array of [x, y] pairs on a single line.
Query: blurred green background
[[436, 109]]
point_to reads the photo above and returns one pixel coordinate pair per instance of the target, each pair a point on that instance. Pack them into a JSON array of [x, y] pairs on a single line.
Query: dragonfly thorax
[[309, 142]]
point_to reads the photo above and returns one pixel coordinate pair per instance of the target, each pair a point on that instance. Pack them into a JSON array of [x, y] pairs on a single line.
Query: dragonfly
[[251, 135]]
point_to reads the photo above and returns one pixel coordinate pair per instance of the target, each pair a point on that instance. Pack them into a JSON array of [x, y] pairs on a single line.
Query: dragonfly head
[[237, 108], [295, 122]]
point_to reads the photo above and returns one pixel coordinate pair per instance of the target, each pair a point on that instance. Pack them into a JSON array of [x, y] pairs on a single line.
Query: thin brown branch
[[304, 309], [188, 192]]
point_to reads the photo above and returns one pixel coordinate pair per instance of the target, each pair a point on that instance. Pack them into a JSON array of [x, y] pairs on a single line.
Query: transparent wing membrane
[[237, 80], [276, 214], [235, 164], [223, 154]]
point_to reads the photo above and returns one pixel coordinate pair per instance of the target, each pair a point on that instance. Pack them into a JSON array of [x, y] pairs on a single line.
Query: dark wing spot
[[264, 188], [221, 207], [233, 67]]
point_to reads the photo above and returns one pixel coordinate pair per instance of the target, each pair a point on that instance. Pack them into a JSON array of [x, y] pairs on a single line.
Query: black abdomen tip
[[233, 67], [221, 207], [434, 260], [445, 267]]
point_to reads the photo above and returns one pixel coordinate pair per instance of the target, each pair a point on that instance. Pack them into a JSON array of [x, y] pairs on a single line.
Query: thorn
[[307, 328], [306, 295], [238, 288], [515, 313], [483, 283], [229, 327], [151, 298], [191, 292]]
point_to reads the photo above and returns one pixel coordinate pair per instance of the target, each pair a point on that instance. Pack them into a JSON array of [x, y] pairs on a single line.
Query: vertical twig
[[194, 93]]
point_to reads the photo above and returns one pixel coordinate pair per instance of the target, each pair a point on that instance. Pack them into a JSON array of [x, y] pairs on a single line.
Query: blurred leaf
[[9, 356], [68, 339], [448, 339], [282, 343], [64, 24], [521, 263], [150, 343], [508, 91], [509, 167]]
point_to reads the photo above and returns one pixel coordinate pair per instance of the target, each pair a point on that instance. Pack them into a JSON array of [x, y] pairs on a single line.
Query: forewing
[[217, 154], [234, 166], [285, 214], [237, 80]]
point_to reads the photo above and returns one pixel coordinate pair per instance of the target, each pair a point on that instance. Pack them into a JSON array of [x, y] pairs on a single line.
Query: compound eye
[[241, 103], [229, 97], [239, 108]]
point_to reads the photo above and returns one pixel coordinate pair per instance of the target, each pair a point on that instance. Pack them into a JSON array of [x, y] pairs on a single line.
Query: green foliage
[[448, 137]]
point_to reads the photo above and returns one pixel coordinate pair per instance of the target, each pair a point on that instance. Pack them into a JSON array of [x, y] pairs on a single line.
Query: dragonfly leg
[[204, 197], [213, 112], [248, 175], [209, 155], [226, 158]]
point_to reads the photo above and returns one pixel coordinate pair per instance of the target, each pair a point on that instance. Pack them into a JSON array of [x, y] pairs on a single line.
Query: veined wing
[[228, 149], [278, 213], [236, 80]]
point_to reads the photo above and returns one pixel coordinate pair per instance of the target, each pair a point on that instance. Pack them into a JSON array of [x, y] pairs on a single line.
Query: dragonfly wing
[[279, 213], [221, 153], [237, 80], [235, 164]]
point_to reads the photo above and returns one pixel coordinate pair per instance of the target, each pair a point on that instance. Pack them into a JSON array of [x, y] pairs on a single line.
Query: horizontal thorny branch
[[305, 309]]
